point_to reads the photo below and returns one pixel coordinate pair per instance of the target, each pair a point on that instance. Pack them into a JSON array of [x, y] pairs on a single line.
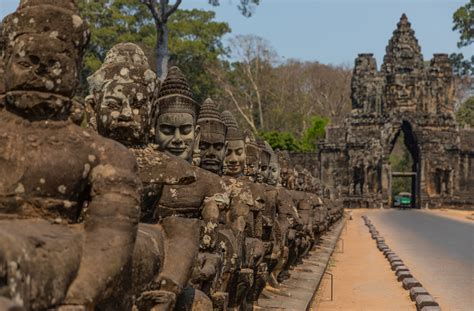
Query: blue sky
[[334, 31]]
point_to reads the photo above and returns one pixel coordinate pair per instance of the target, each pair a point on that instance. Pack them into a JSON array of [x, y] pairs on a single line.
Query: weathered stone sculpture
[[212, 143], [123, 91], [50, 167], [177, 132]]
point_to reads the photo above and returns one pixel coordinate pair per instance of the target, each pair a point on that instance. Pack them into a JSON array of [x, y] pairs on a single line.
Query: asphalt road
[[439, 252]]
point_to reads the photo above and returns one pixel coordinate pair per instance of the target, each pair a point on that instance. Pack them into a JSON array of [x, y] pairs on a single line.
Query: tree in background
[[463, 20], [195, 38], [246, 7], [465, 114], [246, 82], [161, 10], [270, 95], [314, 133]]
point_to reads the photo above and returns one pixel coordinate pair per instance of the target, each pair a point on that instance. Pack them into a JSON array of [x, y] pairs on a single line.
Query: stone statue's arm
[[110, 224]]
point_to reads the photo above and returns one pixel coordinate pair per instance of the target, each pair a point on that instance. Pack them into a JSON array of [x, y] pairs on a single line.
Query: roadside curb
[[305, 280], [418, 294]]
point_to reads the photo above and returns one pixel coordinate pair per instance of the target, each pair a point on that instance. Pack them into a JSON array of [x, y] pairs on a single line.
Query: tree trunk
[[162, 52]]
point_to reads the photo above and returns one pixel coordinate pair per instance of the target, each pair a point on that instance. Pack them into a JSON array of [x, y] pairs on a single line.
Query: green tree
[[281, 140], [195, 37], [314, 133], [246, 7], [463, 20], [465, 114]]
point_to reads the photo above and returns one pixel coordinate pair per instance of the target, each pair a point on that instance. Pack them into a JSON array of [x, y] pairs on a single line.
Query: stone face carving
[[212, 143], [176, 130], [58, 251], [416, 99], [124, 89], [234, 162]]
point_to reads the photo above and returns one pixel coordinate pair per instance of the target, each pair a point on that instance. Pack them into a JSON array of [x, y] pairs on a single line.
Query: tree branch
[[154, 11], [173, 8]]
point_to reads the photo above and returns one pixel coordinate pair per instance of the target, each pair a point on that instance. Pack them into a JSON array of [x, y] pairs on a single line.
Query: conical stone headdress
[[265, 155], [212, 126], [175, 95], [233, 131]]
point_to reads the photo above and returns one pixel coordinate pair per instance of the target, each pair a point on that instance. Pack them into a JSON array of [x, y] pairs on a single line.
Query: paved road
[[439, 252]]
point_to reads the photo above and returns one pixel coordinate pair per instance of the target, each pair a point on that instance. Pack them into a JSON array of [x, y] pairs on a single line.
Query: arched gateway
[[407, 96]]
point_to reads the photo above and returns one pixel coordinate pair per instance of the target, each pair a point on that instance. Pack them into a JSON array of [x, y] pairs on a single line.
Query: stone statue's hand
[[73, 308]]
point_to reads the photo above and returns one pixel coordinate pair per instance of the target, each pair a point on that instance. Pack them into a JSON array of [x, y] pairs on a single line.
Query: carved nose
[[125, 113], [177, 140], [41, 69]]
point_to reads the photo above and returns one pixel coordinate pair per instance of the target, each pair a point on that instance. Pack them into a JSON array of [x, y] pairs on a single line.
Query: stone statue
[[122, 92], [55, 252], [176, 129], [177, 133], [212, 143], [2, 68]]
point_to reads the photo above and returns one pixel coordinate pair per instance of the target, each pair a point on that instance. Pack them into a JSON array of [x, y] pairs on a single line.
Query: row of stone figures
[[162, 204]]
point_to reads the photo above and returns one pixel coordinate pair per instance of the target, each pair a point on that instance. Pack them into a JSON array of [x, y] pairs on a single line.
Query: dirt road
[[363, 280]]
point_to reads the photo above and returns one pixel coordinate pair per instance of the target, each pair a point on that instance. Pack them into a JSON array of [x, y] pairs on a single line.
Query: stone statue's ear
[[197, 136], [226, 145], [91, 101]]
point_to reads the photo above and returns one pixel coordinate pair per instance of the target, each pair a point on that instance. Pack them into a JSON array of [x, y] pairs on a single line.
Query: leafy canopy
[[463, 20], [308, 142], [465, 114], [195, 37]]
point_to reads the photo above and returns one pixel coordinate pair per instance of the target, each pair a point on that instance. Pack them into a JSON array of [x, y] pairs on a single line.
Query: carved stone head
[[273, 167], [252, 157], [264, 160], [234, 162], [2, 67], [123, 90], [176, 131], [45, 42], [300, 180], [212, 144], [285, 169], [401, 90]]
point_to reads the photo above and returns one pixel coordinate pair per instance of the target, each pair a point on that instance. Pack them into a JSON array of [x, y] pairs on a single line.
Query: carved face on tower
[[42, 61], [400, 91], [234, 161], [212, 144], [176, 132]]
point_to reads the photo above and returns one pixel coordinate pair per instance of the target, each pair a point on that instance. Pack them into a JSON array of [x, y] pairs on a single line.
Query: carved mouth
[[210, 162], [176, 151]]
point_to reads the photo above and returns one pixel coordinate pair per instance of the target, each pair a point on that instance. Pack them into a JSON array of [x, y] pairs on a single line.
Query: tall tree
[[246, 81], [161, 10], [195, 38]]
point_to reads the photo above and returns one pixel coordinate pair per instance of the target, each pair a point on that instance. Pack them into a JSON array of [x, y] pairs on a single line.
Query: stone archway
[[414, 172]]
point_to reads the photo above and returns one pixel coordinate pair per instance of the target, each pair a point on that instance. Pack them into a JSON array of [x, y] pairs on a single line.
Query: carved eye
[[186, 129], [218, 146], [24, 64], [112, 104], [167, 129], [203, 145]]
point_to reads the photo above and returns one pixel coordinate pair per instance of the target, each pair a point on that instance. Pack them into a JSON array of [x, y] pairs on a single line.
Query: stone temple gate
[[406, 95]]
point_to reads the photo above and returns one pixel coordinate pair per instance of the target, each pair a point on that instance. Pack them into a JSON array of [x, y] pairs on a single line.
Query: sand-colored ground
[[467, 216], [363, 280]]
